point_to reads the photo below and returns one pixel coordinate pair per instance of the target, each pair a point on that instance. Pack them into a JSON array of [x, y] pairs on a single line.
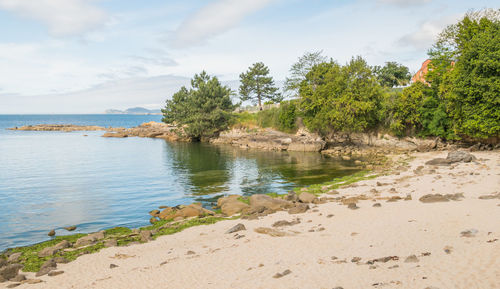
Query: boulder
[[269, 202], [292, 196], [13, 258], [460, 156], [237, 228], [230, 198], [306, 197], [299, 208], [50, 251], [89, 239], [146, 236], [10, 271], [155, 213], [166, 213], [233, 207], [51, 233], [70, 228]]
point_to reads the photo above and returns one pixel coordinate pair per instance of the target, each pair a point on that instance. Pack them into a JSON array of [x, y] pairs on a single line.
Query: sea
[[51, 180]]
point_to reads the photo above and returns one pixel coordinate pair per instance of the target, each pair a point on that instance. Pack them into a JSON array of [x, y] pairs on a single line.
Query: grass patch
[[169, 230], [244, 200], [276, 195]]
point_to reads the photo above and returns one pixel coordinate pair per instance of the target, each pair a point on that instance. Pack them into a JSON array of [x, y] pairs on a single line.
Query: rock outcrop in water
[[152, 130], [58, 127]]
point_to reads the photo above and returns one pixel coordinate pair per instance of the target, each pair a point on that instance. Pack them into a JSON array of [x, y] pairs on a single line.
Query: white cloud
[[63, 17], [213, 19], [404, 3], [427, 32]]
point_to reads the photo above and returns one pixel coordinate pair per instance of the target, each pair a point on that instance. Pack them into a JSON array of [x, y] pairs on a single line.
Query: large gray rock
[[13, 258], [460, 156]]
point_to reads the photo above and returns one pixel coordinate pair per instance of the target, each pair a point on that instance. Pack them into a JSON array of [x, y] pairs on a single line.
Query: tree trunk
[[260, 104]]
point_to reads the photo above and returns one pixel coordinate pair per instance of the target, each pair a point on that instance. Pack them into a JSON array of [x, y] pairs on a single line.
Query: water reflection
[[208, 171]]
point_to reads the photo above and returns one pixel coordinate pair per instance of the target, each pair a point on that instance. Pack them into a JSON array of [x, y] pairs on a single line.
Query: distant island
[[134, 110]]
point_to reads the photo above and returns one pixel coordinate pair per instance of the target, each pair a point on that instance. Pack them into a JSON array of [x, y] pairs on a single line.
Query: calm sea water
[[49, 180]]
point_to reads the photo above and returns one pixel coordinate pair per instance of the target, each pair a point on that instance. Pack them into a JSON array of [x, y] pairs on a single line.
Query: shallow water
[[55, 179]]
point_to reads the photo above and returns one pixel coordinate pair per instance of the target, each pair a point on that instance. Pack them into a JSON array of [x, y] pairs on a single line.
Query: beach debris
[[448, 249], [284, 273], [383, 260], [236, 228], [355, 259], [190, 252], [469, 233]]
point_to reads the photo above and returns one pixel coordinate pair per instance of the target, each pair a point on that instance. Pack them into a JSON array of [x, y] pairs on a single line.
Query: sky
[[86, 56]]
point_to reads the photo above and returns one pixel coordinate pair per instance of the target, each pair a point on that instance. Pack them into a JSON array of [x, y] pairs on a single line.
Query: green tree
[[258, 86], [337, 98], [205, 108], [470, 83], [392, 74], [299, 70]]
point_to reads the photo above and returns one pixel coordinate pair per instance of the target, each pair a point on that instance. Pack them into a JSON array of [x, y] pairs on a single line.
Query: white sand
[[400, 228]]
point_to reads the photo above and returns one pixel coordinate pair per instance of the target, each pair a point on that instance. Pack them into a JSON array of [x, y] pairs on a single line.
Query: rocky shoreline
[[410, 191]]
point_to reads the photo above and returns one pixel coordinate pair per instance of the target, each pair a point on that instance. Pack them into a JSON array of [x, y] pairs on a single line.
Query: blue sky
[[85, 56]]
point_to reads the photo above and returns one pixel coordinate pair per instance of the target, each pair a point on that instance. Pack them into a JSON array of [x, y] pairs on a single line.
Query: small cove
[[55, 179]]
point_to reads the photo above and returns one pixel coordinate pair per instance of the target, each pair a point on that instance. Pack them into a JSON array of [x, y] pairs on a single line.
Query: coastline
[[331, 243]]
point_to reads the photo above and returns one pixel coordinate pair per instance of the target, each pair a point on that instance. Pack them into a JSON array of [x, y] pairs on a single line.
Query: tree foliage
[[299, 70], [258, 86], [466, 73], [205, 108], [392, 74], [337, 98]]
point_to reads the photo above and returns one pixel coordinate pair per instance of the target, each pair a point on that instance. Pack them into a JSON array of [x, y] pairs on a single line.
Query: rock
[[60, 260], [55, 273], [292, 196], [14, 257], [10, 271], [155, 213], [298, 209], [469, 233], [352, 206], [18, 278], [166, 213], [110, 243], [259, 200], [89, 239], [50, 251], [383, 260], [271, 232], [306, 197], [234, 207], [236, 228], [411, 259], [490, 197], [355, 259], [115, 134], [3, 262], [51, 233], [153, 220], [434, 198], [33, 281], [112, 266], [438, 162], [284, 223], [146, 236], [460, 156], [13, 285], [284, 273], [70, 228], [377, 205], [448, 249], [190, 252]]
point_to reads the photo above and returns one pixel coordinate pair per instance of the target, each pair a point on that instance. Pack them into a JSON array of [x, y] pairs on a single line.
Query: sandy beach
[[403, 243]]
